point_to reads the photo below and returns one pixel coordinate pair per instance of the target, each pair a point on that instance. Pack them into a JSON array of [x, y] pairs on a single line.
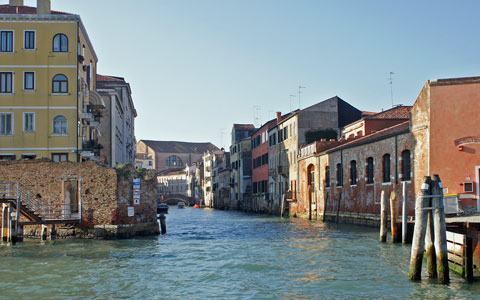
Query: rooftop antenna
[[256, 118], [291, 96], [391, 86], [299, 92], [222, 132]]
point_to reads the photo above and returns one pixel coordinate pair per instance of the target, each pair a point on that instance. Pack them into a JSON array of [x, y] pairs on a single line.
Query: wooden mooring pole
[[440, 227], [163, 223], [383, 218], [394, 217], [338, 207], [404, 212], [3, 235], [325, 202], [418, 243], [429, 246]]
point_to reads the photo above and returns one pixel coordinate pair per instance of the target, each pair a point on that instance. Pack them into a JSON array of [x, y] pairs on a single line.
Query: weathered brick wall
[[105, 193], [361, 198]]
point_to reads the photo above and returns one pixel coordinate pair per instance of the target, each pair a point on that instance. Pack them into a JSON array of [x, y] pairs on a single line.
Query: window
[[7, 157], [370, 176], [6, 41], [29, 156], [6, 82], [28, 122], [173, 161], [29, 40], [339, 175], [386, 168], [353, 172], [29, 81], [60, 43], [60, 84], [60, 125], [406, 166], [57, 157], [6, 124], [327, 176]]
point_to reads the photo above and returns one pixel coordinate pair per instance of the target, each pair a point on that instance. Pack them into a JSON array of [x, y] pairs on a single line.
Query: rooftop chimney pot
[[279, 116], [44, 7], [16, 3]]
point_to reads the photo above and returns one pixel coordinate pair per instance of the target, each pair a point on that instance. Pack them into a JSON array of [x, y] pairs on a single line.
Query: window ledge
[[386, 183], [7, 52], [59, 134], [7, 94], [6, 135], [29, 90], [353, 185], [340, 187], [60, 94], [29, 131], [407, 181], [370, 184]]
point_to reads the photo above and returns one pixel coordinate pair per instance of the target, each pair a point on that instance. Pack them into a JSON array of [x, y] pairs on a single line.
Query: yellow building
[[48, 68]]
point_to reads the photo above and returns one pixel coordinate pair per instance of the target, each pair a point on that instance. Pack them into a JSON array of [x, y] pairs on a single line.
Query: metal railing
[[37, 205]]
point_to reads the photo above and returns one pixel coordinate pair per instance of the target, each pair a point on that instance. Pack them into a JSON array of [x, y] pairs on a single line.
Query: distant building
[[172, 182], [168, 155], [211, 160], [241, 165], [143, 161], [221, 184], [117, 125]]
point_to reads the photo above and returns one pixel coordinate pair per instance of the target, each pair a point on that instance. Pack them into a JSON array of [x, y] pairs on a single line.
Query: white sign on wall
[[131, 211]]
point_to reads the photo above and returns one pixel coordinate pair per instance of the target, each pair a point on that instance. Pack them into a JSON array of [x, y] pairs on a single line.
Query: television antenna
[[391, 86], [299, 94]]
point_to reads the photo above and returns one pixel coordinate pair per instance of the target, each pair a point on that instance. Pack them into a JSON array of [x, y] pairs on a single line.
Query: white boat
[[181, 204]]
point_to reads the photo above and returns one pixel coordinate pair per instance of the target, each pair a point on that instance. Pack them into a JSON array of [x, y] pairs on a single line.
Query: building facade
[[172, 182], [241, 165], [167, 155], [117, 124], [48, 103]]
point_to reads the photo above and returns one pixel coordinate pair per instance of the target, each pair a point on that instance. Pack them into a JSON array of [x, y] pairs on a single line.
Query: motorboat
[[181, 204]]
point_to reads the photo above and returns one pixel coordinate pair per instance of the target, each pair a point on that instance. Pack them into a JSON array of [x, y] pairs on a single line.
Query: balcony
[[271, 172], [282, 170]]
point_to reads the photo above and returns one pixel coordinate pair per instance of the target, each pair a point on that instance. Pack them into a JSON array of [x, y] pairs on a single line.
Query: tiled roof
[[379, 135], [25, 10], [109, 78], [179, 147], [368, 113], [397, 112], [244, 126]]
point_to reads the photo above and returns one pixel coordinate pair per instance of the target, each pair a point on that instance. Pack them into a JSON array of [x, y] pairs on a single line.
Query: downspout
[[76, 61], [396, 159]]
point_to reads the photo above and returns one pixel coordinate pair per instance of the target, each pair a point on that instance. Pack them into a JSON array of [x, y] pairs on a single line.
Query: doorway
[[71, 198]]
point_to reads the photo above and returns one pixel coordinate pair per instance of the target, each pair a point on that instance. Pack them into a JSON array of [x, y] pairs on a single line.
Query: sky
[[196, 67]]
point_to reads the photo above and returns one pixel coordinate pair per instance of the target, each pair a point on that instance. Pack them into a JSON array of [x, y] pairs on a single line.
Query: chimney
[[279, 116], [16, 3], [43, 7]]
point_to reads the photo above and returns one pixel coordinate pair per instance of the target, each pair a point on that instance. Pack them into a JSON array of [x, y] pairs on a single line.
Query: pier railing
[[19, 193]]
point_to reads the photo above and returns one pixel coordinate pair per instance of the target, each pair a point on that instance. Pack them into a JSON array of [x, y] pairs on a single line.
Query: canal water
[[209, 254]]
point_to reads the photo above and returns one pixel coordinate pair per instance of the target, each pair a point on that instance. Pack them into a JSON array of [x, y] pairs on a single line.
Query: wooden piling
[[309, 202], [163, 223], [43, 233], [404, 212], [383, 218], [282, 208], [440, 226], [429, 243], [9, 223], [325, 202], [418, 243], [394, 217], [4, 223], [338, 208]]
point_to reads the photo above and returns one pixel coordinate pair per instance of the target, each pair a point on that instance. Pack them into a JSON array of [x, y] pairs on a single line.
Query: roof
[[109, 78], [452, 81], [244, 126], [25, 10], [171, 172], [368, 113], [179, 147], [394, 113], [379, 135]]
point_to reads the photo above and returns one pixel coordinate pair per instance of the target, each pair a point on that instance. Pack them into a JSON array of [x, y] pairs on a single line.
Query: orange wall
[[455, 113]]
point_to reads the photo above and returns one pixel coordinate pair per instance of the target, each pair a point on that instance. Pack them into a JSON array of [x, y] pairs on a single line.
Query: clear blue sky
[[198, 66]]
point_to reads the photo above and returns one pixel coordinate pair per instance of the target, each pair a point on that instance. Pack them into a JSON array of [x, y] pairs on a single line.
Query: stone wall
[[104, 193]]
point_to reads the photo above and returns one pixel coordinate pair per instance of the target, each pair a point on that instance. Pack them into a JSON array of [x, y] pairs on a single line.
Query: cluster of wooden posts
[[430, 232], [394, 213], [11, 232]]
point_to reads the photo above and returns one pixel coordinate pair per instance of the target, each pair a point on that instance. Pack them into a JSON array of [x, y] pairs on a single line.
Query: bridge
[[173, 199], [20, 207]]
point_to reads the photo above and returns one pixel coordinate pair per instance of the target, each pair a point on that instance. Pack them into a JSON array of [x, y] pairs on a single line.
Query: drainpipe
[[396, 159]]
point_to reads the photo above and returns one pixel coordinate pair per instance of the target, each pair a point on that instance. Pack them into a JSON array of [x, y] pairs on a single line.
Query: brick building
[[167, 155]]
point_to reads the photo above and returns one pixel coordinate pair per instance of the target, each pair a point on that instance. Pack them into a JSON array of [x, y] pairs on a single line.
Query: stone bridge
[[173, 199]]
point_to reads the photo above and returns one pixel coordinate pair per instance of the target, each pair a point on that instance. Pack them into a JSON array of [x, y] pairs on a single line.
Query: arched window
[[60, 43], [173, 161], [60, 125], [60, 84], [339, 175], [386, 168], [370, 174], [353, 172], [406, 166], [327, 176]]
